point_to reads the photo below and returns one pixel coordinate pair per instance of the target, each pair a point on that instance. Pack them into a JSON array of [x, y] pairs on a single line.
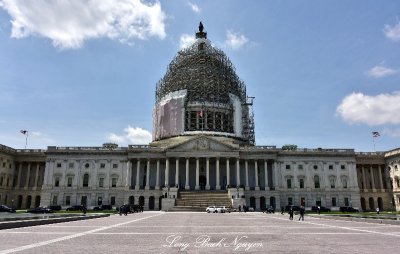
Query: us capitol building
[[203, 153]]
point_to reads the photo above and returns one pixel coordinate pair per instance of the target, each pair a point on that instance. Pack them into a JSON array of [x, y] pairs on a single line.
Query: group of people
[[245, 208], [125, 209], [302, 211]]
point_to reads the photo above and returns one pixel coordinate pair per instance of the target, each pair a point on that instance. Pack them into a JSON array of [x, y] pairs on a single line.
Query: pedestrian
[[319, 210], [244, 208], [302, 211], [377, 210], [282, 210], [240, 208], [84, 210], [291, 214]]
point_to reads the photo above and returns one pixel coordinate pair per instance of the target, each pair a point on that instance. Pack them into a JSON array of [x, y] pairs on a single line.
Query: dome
[[201, 92]]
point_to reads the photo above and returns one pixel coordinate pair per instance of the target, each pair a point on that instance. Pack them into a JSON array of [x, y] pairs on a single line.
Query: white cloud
[[194, 7], [372, 110], [69, 23], [132, 135], [186, 40], [392, 32], [380, 71], [235, 40]]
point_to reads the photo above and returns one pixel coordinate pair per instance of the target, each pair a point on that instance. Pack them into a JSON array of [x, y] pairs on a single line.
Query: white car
[[213, 209]]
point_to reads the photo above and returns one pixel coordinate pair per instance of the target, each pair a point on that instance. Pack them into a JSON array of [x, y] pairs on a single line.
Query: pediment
[[202, 143]]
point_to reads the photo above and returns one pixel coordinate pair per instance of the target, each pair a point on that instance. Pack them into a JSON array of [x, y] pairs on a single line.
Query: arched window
[[344, 182], [86, 180], [316, 182], [332, 181]]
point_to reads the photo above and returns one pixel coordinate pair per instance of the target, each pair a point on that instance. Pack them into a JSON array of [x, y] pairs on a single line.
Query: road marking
[[30, 246]]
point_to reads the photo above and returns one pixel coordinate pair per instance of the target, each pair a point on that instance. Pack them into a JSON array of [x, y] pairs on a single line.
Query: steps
[[199, 200]]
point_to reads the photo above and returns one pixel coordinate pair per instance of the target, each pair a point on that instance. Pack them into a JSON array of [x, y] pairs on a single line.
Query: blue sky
[[81, 73]]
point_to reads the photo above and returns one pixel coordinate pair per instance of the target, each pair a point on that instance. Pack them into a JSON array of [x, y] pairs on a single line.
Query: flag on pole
[[25, 132], [375, 134]]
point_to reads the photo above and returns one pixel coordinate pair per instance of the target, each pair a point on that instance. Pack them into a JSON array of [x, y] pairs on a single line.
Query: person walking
[[240, 208], [282, 210], [377, 210], [302, 211], [291, 214]]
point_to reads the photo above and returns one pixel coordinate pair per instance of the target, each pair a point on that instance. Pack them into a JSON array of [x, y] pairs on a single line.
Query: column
[[266, 174], [237, 172], [246, 166], [28, 175], [256, 174], [218, 186], [228, 182], [187, 186], [372, 178], [208, 173], [128, 169], [380, 177], [363, 175], [166, 172], [197, 187], [37, 175], [177, 172], [158, 175], [148, 175], [19, 175], [137, 175], [275, 175]]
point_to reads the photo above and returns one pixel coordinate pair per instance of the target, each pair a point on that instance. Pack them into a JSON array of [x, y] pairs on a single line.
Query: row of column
[[28, 176], [372, 177], [197, 186]]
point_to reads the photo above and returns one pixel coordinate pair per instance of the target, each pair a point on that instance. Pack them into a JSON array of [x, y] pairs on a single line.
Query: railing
[[84, 148]]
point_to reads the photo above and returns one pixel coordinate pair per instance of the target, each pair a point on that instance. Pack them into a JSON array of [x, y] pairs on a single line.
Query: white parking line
[[30, 246]]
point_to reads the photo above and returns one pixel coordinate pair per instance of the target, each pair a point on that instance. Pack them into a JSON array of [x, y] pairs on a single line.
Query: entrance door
[[202, 182]]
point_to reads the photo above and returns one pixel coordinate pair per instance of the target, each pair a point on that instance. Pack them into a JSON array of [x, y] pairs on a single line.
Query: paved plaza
[[179, 232]]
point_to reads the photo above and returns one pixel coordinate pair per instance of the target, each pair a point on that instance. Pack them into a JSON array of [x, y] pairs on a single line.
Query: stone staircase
[[197, 201]]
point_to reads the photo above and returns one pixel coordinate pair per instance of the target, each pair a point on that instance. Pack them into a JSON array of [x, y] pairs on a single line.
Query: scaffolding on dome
[[208, 77]]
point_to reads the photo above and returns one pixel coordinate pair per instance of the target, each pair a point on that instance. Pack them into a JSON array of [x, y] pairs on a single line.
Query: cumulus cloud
[[194, 7], [69, 23], [186, 40], [132, 135], [380, 71], [372, 110], [235, 40], [392, 32]]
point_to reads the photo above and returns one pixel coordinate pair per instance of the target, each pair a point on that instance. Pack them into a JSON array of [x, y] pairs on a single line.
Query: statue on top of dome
[[201, 27]]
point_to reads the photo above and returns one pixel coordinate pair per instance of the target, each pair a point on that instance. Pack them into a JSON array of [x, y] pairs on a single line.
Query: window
[[290, 201], [300, 167], [1, 181], [112, 200], [330, 167], [333, 201], [344, 182], [316, 182], [315, 167], [85, 180], [57, 182], [289, 183], [342, 166], [332, 181], [102, 165], [71, 165], [54, 200], [84, 200], [115, 165], [287, 166], [87, 165], [101, 182], [67, 200], [346, 201], [69, 181], [58, 165], [301, 183], [114, 182], [318, 201]]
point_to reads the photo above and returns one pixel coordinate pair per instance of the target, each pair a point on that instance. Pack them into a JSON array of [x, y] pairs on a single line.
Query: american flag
[[375, 134], [24, 132]]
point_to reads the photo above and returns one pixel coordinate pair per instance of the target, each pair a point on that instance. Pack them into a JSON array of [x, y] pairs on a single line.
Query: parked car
[[230, 209], [270, 209], [348, 209], [102, 207], [212, 209], [54, 207], [292, 207], [40, 210], [4, 208], [76, 208], [321, 209], [250, 209]]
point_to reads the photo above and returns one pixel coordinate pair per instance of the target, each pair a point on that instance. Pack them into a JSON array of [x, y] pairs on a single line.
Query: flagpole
[[26, 139], [373, 141]]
